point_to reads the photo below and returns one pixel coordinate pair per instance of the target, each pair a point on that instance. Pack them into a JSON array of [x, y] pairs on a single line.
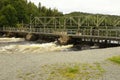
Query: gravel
[[14, 64]]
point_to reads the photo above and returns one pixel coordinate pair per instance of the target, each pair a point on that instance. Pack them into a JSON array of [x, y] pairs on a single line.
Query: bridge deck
[[109, 34]]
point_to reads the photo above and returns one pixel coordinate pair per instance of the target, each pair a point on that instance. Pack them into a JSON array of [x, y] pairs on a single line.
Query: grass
[[72, 71], [69, 71], [115, 59]]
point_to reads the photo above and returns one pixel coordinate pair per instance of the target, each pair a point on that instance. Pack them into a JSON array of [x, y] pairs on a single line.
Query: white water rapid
[[19, 45]]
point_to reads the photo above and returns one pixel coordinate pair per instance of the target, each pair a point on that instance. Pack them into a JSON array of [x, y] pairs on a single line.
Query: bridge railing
[[71, 32], [100, 32]]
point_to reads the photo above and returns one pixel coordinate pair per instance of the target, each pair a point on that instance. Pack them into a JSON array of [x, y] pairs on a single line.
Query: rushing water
[[19, 45]]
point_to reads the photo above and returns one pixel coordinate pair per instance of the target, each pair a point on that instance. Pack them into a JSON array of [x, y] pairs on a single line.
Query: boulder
[[31, 37], [63, 40]]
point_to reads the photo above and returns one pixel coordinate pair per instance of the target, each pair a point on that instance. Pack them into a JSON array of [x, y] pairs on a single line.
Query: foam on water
[[11, 39], [30, 47]]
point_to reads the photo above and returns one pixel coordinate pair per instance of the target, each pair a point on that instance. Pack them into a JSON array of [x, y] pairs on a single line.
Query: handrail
[[73, 32]]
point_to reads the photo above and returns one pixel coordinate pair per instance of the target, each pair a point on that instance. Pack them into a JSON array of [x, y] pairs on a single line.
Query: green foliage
[[14, 12], [9, 15], [3, 20], [21, 8], [115, 59]]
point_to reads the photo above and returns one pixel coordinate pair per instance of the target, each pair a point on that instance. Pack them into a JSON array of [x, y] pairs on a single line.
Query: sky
[[111, 7]]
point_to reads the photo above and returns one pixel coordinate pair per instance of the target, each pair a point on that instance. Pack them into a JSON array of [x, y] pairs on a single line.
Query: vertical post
[[36, 30], [116, 33], [78, 24], [83, 31], [55, 22], [44, 24], [70, 21], [106, 31], [97, 21], [44, 29], [22, 23], [98, 32], [64, 25], [30, 21], [59, 24], [110, 33], [91, 31]]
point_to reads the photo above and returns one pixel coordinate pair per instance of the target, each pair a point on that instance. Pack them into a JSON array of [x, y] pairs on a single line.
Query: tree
[[14, 12], [4, 3], [32, 9], [9, 15], [43, 11], [49, 12], [3, 20], [57, 13], [39, 7], [21, 8]]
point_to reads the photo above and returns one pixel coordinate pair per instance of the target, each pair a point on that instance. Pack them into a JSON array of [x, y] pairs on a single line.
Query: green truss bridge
[[85, 28]]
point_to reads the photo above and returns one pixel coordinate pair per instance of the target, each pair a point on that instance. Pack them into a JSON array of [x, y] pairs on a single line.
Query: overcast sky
[[91, 6]]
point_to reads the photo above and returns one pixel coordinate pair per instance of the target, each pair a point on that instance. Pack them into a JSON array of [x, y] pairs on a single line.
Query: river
[[19, 45]]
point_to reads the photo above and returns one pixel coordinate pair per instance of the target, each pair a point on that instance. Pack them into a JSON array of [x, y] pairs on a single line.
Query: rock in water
[[31, 37], [63, 40]]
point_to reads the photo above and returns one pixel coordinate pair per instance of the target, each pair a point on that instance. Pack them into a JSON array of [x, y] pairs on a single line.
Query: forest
[[17, 12]]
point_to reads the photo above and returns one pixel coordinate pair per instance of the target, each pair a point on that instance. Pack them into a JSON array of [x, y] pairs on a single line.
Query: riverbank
[[15, 63]]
